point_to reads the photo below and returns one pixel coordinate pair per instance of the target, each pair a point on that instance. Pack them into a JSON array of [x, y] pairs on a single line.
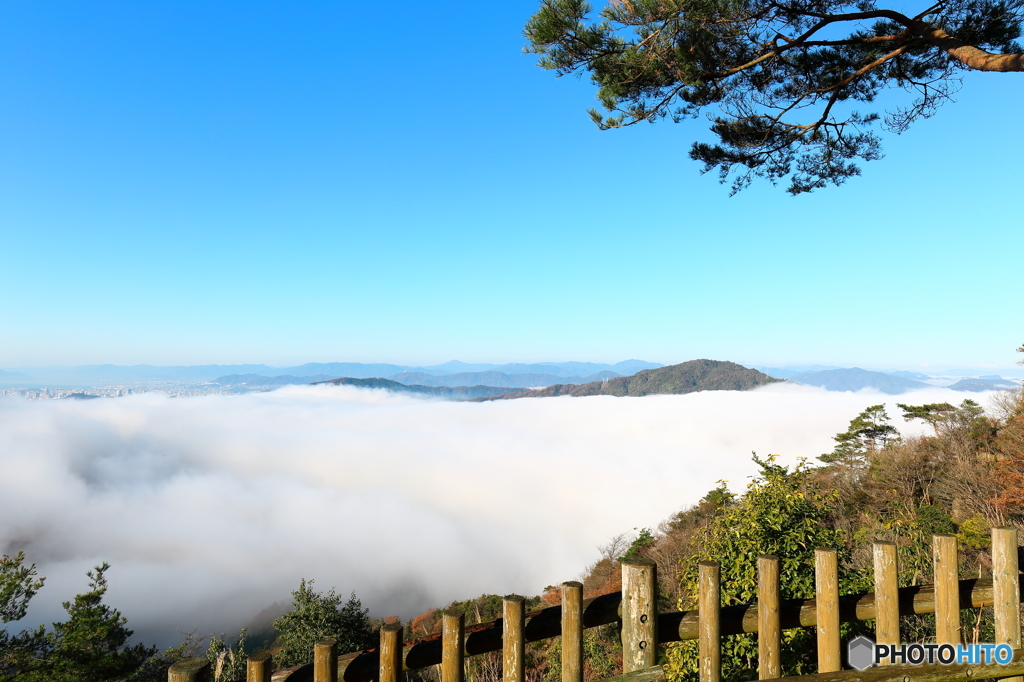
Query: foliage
[[315, 616], [226, 662], [782, 513], [782, 78], [932, 413], [18, 584], [686, 377], [975, 532], [643, 540], [868, 432], [602, 655], [93, 644]]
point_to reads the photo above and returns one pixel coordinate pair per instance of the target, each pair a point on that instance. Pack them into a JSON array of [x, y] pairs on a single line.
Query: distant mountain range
[[99, 374], [570, 378], [495, 378], [986, 383], [456, 393], [260, 380], [687, 377], [855, 379], [889, 383]]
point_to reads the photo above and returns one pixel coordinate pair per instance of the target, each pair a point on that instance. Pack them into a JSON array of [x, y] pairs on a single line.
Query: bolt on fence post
[[258, 667], [1006, 589], [887, 595], [390, 652], [453, 635], [572, 632], [513, 638], [709, 601], [325, 660], [947, 589], [639, 614], [826, 600], [769, 632], [189, 670]]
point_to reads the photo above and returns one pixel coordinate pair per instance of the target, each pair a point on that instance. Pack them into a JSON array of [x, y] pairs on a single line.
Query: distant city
[[112, 381]]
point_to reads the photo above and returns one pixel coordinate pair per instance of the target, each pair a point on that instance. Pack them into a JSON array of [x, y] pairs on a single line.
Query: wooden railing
[[643, 629]]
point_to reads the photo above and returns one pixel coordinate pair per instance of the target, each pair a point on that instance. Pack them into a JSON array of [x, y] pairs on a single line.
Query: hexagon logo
[[861, 653]]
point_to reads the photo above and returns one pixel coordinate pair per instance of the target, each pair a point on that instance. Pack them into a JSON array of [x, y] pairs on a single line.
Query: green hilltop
[[687, 377]]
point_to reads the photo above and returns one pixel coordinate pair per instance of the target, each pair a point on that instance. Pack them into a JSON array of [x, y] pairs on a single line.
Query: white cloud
[[211, 508]]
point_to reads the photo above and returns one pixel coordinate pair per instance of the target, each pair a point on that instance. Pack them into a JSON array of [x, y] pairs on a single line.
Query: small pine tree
[[93, 644], [868, 433]]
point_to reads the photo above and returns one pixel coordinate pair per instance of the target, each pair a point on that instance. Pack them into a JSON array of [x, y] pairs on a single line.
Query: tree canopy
[[315, 616], [783, 76]]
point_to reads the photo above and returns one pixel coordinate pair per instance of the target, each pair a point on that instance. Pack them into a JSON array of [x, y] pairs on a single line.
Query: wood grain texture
[[947, 594], [769, 631], [709, 602], [453, 635], [639, 614], [258, 667], [826, 589], [887, 598], [325, 660], [390, 653], [513, 638], [572, 632], [1006, 589], [190, 670]]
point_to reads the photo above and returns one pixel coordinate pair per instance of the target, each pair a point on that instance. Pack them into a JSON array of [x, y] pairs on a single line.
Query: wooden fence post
[[390, 652], [572, 632], [769, 633], [709, 601], [325, 660], [639, 614], [887, 595], [513, 638], [947, 589], [453, 637], [258, 667], [826, 598], [1006, 589], [189, 670]]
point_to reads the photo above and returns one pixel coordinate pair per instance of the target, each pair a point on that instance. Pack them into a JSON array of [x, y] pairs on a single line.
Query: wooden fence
[[643, 629]]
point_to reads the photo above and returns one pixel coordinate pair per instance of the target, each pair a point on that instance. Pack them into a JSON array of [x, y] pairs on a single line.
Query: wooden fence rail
[[643, 629]]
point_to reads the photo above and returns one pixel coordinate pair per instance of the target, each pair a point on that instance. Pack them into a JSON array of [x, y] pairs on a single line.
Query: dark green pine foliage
[[92, 645], [868, 433], [783, 81]]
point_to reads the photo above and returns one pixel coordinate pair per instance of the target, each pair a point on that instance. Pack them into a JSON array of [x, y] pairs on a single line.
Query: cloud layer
[[210, 509]]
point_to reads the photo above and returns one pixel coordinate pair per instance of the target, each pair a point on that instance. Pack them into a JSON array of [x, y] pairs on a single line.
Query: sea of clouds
[[212, 508]]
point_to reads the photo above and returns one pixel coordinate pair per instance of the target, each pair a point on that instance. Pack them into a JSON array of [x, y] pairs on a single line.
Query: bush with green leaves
[[315, 616], [783, 513]]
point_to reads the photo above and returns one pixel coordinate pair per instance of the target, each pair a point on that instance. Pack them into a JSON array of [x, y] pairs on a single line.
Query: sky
[[264, 182]]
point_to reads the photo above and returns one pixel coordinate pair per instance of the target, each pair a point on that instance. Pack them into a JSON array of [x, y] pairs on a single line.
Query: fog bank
[[211, 508]]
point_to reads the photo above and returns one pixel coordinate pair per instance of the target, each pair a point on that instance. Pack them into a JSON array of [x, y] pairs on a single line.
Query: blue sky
[[230, 182]]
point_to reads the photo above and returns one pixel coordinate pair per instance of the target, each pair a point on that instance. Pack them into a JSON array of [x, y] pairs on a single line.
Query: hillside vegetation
[[687, 377]]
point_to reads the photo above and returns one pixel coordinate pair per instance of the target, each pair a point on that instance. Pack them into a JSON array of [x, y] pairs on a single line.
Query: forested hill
[[455, 393], [688, 377]]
